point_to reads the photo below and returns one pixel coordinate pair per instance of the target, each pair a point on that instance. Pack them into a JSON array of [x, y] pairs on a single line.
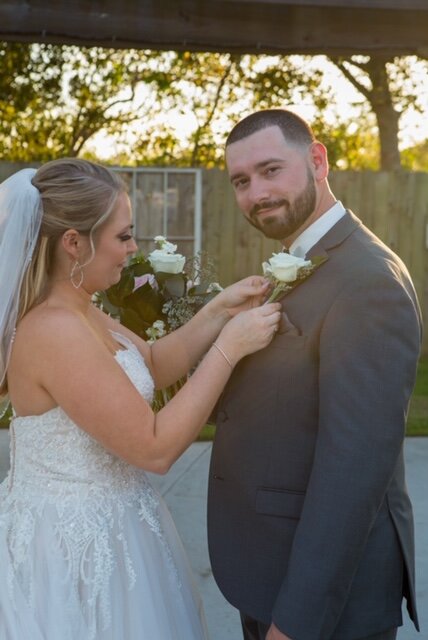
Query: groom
[[310, 526]]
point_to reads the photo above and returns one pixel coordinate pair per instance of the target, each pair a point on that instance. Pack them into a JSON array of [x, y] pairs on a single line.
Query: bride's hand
[[241, 296], [249, 331]]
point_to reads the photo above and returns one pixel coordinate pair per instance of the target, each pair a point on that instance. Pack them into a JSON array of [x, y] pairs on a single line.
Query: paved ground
[[184, 489]]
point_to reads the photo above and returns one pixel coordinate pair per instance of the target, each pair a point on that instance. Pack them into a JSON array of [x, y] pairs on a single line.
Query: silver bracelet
[[220, 350]]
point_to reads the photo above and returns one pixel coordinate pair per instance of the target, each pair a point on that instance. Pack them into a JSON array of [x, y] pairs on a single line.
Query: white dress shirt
[[310, 236]]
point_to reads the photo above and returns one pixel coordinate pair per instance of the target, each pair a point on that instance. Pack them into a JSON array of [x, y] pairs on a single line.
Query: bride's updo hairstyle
[[75, 194]]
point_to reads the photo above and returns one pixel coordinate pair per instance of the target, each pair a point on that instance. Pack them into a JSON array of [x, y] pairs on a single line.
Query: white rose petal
[[166, 262], [169, 247], [266, 268], [284, 267]]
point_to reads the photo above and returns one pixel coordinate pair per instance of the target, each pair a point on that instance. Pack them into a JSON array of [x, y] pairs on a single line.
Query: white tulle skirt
[[130, 581]]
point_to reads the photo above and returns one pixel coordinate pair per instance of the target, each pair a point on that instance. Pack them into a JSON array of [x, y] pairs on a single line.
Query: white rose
[[166, 262], [284, 267]]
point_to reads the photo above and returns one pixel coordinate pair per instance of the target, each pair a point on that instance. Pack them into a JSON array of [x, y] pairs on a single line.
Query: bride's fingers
[[256, 281], [271, 309], [255, 289]]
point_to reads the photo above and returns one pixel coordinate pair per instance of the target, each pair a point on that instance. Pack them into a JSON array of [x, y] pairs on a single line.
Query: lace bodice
[[52, 455], [56, 466]]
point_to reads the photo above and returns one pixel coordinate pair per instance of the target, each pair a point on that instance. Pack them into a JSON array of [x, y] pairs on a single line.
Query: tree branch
[[340, 64], [226, 73]]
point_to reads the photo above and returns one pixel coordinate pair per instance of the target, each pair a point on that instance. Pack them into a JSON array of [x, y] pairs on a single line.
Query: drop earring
[[76, 271]]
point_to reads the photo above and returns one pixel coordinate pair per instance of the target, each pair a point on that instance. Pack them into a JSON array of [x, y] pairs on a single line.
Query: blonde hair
[[75, 194]]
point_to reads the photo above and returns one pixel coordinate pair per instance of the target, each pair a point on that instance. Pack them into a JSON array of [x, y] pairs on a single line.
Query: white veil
[[20, 219]]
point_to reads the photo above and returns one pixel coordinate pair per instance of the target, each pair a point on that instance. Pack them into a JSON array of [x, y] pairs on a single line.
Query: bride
[[88, 550]]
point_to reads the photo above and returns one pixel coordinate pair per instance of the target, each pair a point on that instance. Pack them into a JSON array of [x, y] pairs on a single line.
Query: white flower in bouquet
[[156, 331], [164, 244], [285, 271], [165, 259]]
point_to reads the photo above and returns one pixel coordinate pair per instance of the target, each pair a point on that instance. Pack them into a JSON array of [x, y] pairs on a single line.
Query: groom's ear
[[319, 160]]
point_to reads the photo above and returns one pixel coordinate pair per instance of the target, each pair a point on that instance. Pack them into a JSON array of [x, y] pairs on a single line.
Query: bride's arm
[[192, 340], [91, 387], [176, 354]]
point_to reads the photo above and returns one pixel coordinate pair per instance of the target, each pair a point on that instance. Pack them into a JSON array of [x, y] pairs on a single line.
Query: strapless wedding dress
[[88, 549]]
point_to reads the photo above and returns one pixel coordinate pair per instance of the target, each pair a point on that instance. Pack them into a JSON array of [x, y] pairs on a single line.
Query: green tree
[[54, 98], [416, 157], [202, 86], [390, 87], [219, 89], [295, 80]]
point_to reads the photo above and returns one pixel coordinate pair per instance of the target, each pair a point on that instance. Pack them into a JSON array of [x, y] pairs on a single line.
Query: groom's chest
[[292, 359]]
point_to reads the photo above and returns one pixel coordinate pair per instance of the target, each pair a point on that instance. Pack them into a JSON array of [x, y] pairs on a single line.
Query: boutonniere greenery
[[285, 272]]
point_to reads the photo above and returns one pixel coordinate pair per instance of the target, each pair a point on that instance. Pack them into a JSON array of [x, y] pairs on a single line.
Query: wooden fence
[[393, 205]]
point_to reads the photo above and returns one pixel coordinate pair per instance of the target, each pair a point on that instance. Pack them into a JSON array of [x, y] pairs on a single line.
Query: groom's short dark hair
[[294, 129]]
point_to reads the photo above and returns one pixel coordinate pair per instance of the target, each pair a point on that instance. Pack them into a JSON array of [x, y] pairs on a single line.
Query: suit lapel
[[335, 236]]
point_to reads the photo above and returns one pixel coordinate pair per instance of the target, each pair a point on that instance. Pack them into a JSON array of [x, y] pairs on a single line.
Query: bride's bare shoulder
[[49, 323]]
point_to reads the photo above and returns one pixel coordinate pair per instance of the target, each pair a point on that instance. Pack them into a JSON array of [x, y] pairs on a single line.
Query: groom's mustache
[[271, 204]]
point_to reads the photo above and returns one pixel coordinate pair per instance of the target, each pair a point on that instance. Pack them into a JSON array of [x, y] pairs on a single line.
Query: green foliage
[[153, 303], [219, 89], [170, 298], [416, 158], [417, 423], [421, 386], [390, 86], [207, 433], [4, 420], [55, 99]]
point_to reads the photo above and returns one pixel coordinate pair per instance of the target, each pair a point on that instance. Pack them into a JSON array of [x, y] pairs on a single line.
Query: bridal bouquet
[[286, 271], [159, 293]]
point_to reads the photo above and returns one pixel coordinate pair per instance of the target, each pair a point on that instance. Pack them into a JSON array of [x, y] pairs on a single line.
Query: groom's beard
[[280, 226]]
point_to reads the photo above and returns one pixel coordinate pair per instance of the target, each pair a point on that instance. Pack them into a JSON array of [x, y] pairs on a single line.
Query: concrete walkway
[[184, 489]]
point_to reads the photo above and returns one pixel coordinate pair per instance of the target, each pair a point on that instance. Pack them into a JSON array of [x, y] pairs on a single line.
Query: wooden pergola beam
[[330, 27]]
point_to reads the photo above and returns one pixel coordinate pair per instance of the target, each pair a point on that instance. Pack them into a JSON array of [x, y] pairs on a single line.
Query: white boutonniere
[[285, 272]]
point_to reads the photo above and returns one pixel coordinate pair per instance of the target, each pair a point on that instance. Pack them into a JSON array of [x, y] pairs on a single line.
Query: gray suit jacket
[[309, 521]]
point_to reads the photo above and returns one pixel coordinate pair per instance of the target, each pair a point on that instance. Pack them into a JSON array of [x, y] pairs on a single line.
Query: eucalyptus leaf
[[199, 289], [133, 321], [319, 260], [108, 307], [118, 292], [146, 303], [141, 268], [175, 285]]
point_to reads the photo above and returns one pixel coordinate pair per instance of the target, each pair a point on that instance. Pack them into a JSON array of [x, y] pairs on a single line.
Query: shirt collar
[[310, 236]]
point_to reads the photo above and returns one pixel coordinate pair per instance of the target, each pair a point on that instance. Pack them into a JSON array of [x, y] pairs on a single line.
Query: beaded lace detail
[[54, 464]]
